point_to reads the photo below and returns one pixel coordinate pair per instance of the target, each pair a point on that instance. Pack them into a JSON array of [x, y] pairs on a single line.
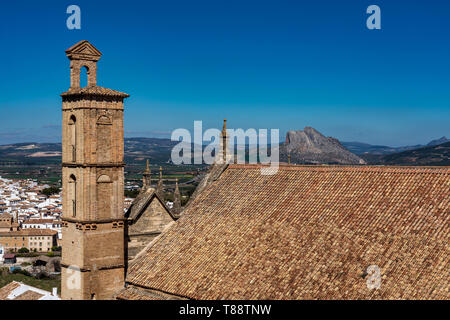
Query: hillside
[[42, 161], [307, 146], [360, 148], [136, 150], [139, 149], [438, 155]]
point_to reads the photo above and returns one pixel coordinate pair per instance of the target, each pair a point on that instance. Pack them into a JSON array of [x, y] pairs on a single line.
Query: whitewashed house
[[20, 291]]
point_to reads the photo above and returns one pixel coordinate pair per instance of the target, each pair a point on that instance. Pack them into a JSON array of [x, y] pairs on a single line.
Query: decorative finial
[[146, 177], [147, 169], [224, 141], [176, 208], [160, 185]]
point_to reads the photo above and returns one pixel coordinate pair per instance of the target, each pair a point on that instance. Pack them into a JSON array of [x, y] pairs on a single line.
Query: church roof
[[141, 202], [134, 293], [307, 232], [212, 175], [94, 91]]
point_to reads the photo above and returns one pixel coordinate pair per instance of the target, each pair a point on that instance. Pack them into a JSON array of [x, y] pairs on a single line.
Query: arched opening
[[84, 75], [73, 137], [73, 194]]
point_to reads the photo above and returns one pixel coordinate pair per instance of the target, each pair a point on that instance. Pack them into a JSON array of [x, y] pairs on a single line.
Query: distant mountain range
[[136, 150], [438, 141], [155, 149], [434, 155], [307, 146], [360, 148]]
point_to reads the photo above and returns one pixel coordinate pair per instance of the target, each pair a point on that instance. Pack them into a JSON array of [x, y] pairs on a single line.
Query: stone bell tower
[[93, 262]]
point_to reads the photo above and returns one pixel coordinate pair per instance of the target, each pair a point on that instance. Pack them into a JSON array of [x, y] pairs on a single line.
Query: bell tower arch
[[83, 54]]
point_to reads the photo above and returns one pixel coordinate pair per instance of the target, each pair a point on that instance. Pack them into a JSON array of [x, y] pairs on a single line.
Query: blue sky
[[260, 64]]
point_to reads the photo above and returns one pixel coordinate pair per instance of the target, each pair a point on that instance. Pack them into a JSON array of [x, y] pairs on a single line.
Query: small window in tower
[[73, 137], [84, 73], [73, 194]]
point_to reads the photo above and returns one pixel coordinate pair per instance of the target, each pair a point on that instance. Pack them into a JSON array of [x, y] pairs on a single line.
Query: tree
[[131, 193], [21, 271], [23, 250], [51, 190]]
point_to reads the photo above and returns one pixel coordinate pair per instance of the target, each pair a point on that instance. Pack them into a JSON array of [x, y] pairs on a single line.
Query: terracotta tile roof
[[94, 90], [38, 221], [29, 295], [307, 232], [134, 293], [212, 175], [6, 290], [30, 232], [131, 294]]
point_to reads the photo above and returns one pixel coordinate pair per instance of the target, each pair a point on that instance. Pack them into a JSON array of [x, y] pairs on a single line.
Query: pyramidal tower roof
[[83, 50]]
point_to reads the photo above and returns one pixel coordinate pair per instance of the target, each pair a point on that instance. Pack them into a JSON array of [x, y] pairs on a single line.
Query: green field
[[44, 284]]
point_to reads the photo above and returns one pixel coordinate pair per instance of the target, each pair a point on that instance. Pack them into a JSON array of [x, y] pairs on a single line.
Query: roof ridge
[[323, 167]]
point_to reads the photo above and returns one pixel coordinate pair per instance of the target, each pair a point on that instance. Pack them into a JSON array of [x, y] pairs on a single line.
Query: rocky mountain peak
[[438, 141], [309, 146]]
